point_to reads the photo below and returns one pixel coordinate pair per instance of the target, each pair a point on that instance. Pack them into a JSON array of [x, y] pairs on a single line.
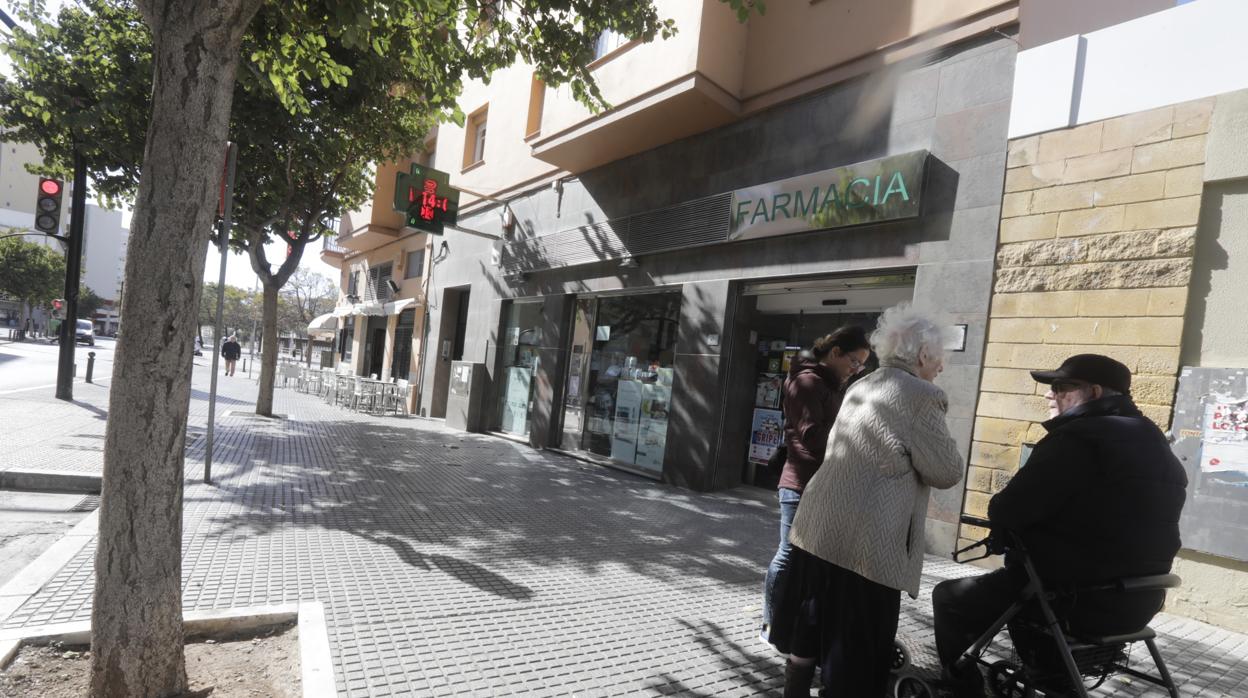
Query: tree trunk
[[136, 618], [268, 350]]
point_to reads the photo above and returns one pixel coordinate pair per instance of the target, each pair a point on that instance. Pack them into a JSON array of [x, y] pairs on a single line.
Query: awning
[[325, 324], [373, 309], [398, 306]]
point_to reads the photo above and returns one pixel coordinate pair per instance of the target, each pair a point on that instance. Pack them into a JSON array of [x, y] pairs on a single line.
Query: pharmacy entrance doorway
[[782, 317]]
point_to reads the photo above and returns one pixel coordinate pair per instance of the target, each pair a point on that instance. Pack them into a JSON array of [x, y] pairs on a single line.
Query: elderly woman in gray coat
[[860, 525]]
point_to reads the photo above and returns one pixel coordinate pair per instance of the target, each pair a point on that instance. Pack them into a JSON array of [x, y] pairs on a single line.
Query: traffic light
[[48, 205], [58, 308]]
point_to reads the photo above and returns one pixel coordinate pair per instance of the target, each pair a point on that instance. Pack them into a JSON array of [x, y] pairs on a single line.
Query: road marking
[[43, 387]]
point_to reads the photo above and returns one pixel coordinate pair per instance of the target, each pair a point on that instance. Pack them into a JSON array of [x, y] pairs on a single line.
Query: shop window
[[620, 377], [415, 264], [474, 137], [519, 358], [537, 101]]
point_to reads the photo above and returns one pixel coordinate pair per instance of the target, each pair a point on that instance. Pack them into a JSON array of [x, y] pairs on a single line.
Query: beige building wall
[[1100, 231]]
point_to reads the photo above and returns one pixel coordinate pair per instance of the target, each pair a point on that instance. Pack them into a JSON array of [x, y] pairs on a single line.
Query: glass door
[[578, 369]]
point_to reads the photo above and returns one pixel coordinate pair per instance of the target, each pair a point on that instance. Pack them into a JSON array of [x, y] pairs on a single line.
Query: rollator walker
[[1084, 662]]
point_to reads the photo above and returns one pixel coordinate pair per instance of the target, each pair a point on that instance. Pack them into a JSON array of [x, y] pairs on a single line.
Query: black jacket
[[230, 351], [1099, 498]]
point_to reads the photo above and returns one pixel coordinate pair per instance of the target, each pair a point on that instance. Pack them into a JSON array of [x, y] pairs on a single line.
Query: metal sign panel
[[867, 192], [1211, 439], [427, 199]]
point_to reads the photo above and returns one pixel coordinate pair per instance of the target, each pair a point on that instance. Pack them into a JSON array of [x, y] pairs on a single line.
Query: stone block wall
[[1097, 237]]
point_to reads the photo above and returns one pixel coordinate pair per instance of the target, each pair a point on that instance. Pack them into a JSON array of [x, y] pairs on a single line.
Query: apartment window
[[415, 264], [378, 288], [537, 98], [474, 138], [607, 42], [353, 284]]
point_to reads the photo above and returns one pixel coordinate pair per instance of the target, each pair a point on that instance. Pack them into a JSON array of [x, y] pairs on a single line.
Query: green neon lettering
[[830, 199], [875, 200], [760, 210], [743, 207], [808, 207], [854, 200], [896, 184], [780, 202]]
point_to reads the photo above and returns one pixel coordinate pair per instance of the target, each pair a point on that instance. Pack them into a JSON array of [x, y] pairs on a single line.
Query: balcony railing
[[330, 244]]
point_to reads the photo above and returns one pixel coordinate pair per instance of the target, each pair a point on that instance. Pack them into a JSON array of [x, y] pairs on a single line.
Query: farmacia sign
[[867, 192]]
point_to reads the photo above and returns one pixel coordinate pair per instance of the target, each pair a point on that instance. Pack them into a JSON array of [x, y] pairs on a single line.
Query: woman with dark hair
[[812, 397]]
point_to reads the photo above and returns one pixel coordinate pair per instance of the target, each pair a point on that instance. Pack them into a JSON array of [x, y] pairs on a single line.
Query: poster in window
[[627, 421], [652, 432], [516, 400], [768, 389], [766, 434]]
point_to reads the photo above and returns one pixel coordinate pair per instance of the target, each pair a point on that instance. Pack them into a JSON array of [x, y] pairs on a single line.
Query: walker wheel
[[901, 657], [912, 687], [1006, 681]]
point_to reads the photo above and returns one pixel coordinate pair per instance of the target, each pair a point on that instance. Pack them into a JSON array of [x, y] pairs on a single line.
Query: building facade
[[753, 186], [1045, 182]]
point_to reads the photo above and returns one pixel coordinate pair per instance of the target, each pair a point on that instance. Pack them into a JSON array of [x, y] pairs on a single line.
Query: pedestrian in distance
[[1098, 500], [231, 351], [858, 537], [812, 397]]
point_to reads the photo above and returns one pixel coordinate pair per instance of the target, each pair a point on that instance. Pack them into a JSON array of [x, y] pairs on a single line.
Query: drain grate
[[89, 503]]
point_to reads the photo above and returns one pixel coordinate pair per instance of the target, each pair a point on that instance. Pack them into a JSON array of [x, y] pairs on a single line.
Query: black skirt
[[843, 619]]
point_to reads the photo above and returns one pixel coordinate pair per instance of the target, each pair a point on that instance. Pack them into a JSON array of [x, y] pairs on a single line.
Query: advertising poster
[[652, 434], [627, 420], [768, 389], [516, 400], [766, 434], [1224, 445]]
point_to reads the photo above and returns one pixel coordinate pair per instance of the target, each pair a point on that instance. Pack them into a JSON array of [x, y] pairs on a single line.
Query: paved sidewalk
[[455, 564]]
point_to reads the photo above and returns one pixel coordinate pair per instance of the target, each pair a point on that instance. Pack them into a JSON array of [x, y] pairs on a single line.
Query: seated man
[[1099, 499]]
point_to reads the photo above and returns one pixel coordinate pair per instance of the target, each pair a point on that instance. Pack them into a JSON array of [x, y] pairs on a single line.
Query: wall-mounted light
[[629, 263], [352, 298], [394, 288]]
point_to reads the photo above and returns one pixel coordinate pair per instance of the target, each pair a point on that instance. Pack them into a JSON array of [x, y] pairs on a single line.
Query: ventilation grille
[[692, 224]]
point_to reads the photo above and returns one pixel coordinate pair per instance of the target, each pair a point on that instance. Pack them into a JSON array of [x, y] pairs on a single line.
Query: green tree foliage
[[242, 310], [89, 302], [30, 272]]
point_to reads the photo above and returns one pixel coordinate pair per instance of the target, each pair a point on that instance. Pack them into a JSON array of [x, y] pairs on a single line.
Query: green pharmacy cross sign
[[426, 197]]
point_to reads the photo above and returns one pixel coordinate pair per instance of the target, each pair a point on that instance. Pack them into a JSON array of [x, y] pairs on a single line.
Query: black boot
[[797, 678]]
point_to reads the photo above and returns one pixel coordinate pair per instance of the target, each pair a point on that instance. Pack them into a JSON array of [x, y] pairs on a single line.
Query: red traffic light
[[51, 187]]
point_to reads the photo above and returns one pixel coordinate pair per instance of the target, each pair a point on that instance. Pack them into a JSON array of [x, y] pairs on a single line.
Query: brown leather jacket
[[812, 397]]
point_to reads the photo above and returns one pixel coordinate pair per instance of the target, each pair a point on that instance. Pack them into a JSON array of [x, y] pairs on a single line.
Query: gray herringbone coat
[[866, 508]]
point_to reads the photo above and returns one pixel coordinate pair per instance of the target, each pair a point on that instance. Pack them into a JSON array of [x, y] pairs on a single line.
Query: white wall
[[104, 251], [1188, 52]]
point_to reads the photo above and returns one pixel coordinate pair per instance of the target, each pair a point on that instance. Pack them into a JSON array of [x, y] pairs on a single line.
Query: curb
[[315, 659], [50, 481], [34, 576]]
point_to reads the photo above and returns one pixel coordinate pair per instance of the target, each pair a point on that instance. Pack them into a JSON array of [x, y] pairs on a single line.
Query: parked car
[[86, 332]]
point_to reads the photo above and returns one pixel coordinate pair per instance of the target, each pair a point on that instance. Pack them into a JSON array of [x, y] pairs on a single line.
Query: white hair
[[903, 334]]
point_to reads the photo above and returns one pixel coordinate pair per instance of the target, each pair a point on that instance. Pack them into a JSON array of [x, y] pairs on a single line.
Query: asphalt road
[[30, 366], [30, 522]]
